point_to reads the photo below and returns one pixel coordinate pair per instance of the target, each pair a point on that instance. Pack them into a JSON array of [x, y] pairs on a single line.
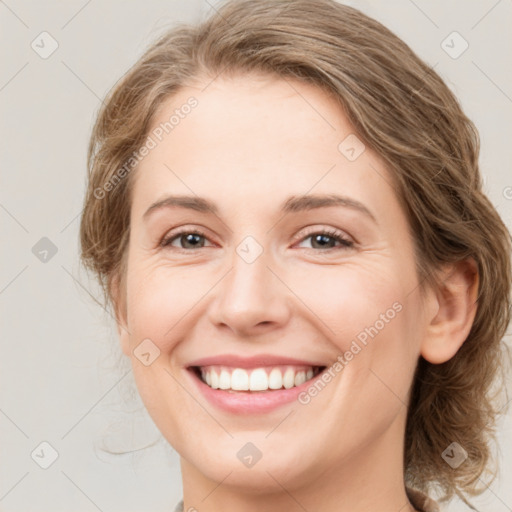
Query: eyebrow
[[292, 204]]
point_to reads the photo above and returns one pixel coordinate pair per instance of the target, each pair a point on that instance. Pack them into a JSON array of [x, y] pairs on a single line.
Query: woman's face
[[262, 288]]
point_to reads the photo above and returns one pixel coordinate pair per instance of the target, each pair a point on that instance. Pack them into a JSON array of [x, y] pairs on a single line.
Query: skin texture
[[250, 143]]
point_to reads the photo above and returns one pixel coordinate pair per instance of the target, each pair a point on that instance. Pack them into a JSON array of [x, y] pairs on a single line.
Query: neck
[[369, 480]]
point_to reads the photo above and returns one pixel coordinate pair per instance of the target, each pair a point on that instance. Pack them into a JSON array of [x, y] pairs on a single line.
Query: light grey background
[[62, 379]]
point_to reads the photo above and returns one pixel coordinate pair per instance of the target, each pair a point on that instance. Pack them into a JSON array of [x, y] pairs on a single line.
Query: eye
[[186, 237], [325, 238], [192, 238]]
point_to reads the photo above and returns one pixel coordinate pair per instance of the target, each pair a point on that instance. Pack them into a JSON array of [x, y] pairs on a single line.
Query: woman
[[285, 210]]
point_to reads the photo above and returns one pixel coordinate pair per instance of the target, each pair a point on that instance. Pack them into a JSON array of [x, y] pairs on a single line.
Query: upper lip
[[256, 361]]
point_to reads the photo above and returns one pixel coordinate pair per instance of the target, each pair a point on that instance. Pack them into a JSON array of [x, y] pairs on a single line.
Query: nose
[[251, 298]]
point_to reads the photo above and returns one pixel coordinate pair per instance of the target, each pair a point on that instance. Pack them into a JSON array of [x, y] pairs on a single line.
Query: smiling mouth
[[263, 379]]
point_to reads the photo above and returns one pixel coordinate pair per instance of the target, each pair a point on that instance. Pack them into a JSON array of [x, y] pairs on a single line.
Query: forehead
[[254, 137]]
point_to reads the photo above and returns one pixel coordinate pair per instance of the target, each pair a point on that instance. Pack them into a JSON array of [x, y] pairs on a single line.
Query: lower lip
[[250, 402]]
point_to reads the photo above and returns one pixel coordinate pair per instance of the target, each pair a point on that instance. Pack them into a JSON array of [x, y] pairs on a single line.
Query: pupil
[[190, 238], [322, 238]]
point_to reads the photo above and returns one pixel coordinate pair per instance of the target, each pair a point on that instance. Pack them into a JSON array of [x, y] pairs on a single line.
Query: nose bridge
[[250, 295]]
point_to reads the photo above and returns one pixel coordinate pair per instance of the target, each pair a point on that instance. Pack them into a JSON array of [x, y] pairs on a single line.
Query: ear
[[455, 310], [119, 301]]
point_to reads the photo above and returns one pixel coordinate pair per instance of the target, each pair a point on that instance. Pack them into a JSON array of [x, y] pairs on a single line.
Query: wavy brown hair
[[401, 108]]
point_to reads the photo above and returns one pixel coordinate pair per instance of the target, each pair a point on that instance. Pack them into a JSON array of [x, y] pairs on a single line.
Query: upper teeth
[[257, 379]]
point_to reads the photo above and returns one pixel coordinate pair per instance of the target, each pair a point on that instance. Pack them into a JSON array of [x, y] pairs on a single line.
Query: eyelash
[[336, 235]]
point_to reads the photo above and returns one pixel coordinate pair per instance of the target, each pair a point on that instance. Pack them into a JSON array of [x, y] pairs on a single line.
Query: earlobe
[[456, 301]]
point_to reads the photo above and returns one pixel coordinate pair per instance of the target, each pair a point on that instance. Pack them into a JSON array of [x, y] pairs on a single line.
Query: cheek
[[370, 315], [380, 357], [159, 300], [347, 299]]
